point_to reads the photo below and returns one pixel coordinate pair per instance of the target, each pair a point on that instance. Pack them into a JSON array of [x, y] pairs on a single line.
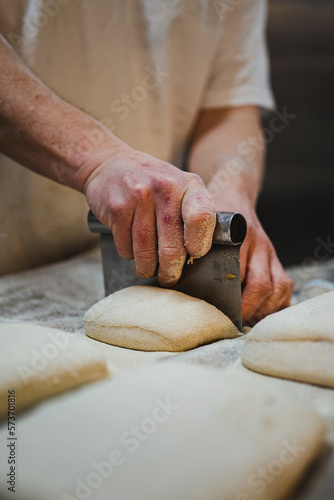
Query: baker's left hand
[[266, 288]]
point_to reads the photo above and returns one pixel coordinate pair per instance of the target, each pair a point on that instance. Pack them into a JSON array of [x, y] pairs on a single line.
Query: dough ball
[[38, 362], [156, 319], [167, 433], [296, 343]]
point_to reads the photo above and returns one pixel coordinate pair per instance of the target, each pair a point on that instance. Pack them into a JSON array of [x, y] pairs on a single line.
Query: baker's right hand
[[157, 213]]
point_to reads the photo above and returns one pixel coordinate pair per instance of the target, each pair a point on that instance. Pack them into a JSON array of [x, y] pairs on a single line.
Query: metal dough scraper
[[214, 278]]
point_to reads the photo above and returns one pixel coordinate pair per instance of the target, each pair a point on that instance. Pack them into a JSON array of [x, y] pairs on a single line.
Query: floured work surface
[[59, 295]]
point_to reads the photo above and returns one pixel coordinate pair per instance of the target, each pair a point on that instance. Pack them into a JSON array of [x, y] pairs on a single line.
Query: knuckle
[[195, 179], [262, 289], [169, 218], [267, 289], [166, 187], [175, 255], [284, 286], [141, 191], [201, 218], [118, 210], [145, 254], [144, 237], [280, 289], [276, 301]]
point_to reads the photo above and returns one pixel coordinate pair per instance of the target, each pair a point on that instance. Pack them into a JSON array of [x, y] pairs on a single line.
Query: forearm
[[42, 131], [223, 155]]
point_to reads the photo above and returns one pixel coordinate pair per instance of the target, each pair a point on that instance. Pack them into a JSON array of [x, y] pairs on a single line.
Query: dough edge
[[142, 339], [282, 359]]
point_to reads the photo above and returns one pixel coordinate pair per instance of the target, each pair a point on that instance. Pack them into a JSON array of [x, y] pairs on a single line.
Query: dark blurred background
[[297, 203]]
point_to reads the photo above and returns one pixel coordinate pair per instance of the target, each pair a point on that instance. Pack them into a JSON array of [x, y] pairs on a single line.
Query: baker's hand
[[157, 213], [266, 286]]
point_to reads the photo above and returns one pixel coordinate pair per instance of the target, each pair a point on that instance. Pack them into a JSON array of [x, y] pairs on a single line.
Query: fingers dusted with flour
[[172, 252], [199, 216], [144, 240], [157, 212]]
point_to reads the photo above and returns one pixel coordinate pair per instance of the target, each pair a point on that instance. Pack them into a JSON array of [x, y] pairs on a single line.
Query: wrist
[[235, 188], [233, 200], [93, 146]]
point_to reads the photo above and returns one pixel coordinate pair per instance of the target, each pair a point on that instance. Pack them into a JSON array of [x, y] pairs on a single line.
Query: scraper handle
[[231, 228]]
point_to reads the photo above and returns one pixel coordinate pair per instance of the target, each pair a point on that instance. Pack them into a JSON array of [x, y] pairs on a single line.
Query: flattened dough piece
[[166, 432], [296, 343], [156, 319], [38, 362]]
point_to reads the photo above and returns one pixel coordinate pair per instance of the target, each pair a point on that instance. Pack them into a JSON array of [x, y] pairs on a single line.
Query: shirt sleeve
[[240, 70]]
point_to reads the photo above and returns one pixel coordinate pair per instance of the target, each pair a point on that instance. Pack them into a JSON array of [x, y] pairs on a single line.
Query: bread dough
[[166, 432], [156, 319], [296, 343], [38, 362]]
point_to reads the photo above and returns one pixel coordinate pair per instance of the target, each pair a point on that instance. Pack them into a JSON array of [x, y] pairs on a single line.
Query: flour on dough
[[296, 343], [156, 319], [38, 362]]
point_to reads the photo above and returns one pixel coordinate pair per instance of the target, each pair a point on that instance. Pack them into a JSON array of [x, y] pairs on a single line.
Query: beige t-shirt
[[143, 68]]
